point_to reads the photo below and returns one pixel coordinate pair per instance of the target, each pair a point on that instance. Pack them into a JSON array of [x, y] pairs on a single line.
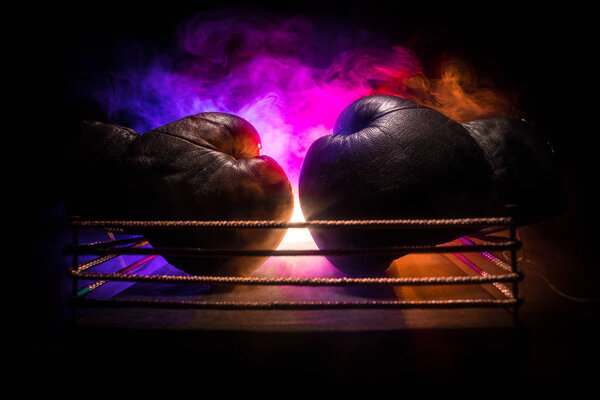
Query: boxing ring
[[501, 281]]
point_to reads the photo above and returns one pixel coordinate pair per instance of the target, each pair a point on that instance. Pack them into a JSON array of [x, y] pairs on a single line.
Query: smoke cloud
[[288, 76]]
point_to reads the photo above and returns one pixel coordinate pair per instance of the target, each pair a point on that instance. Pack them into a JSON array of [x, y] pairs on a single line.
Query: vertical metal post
[[513, 260], [75, 268]]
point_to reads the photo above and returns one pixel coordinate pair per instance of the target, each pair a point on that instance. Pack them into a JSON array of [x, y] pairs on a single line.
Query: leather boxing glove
[[96, 189], [391, 158], [206, 167], [524, 168]]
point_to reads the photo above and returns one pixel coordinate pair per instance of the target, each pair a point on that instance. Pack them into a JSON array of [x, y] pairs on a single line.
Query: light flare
[[297, 238]]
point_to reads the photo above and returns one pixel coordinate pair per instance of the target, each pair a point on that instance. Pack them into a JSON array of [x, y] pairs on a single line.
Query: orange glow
[[458, 93]]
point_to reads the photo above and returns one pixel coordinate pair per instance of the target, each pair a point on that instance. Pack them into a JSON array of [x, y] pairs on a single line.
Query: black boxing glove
[[390, 158], [96, 189], [525, 169], [205, 167], [208, 167]]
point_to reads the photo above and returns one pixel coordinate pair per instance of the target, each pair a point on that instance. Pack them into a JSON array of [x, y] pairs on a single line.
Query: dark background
[[543, 54]]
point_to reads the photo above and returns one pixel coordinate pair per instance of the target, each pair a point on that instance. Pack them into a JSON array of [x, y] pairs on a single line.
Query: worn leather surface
[[392, 158], [205, 167]]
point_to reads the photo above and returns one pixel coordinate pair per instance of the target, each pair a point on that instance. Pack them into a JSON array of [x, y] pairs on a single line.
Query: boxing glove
[[390, 158], [205, 167], [524, 166], [96, 189]]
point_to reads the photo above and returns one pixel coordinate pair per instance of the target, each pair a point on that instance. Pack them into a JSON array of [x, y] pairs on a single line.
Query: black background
[[544, 54]]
